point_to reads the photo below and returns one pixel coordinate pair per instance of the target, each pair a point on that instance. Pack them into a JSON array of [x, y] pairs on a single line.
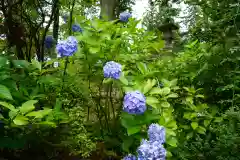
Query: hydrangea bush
[[120, 81]]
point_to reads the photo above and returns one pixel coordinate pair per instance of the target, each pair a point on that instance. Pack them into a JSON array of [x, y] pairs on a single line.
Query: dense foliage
[[98, 89]]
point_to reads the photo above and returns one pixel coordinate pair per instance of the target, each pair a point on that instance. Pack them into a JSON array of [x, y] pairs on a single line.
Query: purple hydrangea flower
[[112, 70], [130, 157], [124, 16], [49, 41], [134, 102], [67, 47], [76, 28], [151, 150], [156, 133]]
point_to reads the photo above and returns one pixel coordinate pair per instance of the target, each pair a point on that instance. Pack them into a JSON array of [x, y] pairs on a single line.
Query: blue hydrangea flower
[[65, 17], [151, 150], [112, 70], [124, 16], [134, 102], [156, 133], [76, 28], [67, 47], [130, 157], [49, 41]]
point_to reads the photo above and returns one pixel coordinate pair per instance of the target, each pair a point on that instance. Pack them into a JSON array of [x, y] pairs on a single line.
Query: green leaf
[[166, 91], [172, 141], [173, 95], [165, 104], [5, 93], [40, 113], [201, 130], [20, 120], [7, 105], [189, 135], [218, 119], [206, 122], [152, 101], [127, 144], [12, 113], [133, 130], [123, 80], [142, 67], [48, 123], [169, 154], [3, 61], [148, 86], [156, 90], [20, 63], [37, 64], [28, 106], [199, 96], [107, 80], [194, 125], [170, 132]]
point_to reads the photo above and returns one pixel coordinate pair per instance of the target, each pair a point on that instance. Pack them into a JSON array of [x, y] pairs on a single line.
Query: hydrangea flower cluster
[[130, 157], [76, 28], [152, 149], [112, 70], [134, 102], [156, 133], [49, 41], [67, 47], [124, 16]]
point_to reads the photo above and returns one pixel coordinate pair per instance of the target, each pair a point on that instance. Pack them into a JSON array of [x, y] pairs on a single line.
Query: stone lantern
[[167, 30]]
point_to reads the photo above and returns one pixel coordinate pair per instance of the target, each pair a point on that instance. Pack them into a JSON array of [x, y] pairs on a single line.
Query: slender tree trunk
[[108, 9]]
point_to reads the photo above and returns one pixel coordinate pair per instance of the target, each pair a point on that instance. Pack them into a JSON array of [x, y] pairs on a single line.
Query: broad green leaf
[[172, 141], [218, 119], [20, 63], [40, 113], [172, 124], [187, 115], [37, 64], [170, 132], [12, 113], [142, 67], [107, 80], [201, 130], [147, 86], [152, 101], [28, 106], [47, 123], [199, 96], [206, 122], [3, 61], [189, 99], [123, 80], [128, 89], [5, 93], [173, 95], [173, 83], [194, 125], [156, 90], [166, 91], [189, 135], [7, 105], [133, 130], [165, 104], [20, 120], [127, 144], [169, 154]]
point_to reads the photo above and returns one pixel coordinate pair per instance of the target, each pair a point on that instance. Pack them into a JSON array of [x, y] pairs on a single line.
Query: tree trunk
[[108, 9]]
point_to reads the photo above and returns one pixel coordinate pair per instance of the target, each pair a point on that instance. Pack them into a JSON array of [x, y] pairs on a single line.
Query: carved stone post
[[167, 30]]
